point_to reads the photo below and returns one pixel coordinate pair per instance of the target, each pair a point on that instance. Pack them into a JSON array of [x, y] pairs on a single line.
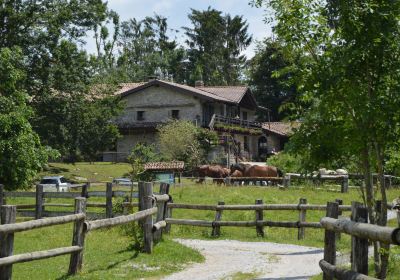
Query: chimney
[[199, 84]]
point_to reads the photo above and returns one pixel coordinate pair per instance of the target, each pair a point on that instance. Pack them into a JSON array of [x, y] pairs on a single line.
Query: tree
[[271, 90], [348, 78], [146, 50], [215, 45], [21, 154], [182, 140]]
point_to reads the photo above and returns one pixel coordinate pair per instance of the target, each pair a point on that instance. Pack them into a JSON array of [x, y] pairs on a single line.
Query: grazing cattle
[[256, 170], [237, 174], [217, 172]]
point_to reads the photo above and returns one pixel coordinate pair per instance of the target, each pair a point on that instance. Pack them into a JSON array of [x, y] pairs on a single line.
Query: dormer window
[[140, 115], [175, 114]]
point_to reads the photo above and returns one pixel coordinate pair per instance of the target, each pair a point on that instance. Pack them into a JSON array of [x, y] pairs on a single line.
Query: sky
[[176, 12]]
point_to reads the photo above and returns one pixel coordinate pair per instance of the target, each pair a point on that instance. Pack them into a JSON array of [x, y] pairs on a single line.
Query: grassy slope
[[106, 255]]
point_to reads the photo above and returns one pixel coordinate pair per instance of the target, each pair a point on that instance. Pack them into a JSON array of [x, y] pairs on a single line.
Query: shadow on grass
[[57, 170]]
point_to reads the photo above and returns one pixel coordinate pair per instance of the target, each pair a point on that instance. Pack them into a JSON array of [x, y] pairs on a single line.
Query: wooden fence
[[258, 223], [39, 208], [361, 233], [149, 204]]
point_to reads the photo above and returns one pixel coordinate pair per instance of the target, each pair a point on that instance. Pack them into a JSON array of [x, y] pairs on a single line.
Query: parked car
[[55, 184], [123, 182]]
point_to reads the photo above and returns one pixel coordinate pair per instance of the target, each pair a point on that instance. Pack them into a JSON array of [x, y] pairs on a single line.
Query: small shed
[[166, 171]]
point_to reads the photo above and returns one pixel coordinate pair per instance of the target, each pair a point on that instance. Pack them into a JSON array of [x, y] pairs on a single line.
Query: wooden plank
[[199, 223], [164, 188], [216, 229], [372, 232], [84, 191], [19, 194], [332, 211], [78, 237], [8, 216], [341, 273], [345, 184], [39, 201], [161, 197], [147, 197], [50, 214], [39, 255], [29, 225], [340, 203], [301, 233], [159, 225], [360, 253], [110, 222], [168, 214], [354, 206], [259, 217], [109, 195], [61, 194], [2, 202]]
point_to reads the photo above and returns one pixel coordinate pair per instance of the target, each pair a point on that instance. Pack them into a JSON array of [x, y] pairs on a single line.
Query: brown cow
[[256, 170]]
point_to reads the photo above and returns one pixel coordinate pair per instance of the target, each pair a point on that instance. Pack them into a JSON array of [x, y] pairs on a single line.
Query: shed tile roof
[[165, 166], [281, 128]]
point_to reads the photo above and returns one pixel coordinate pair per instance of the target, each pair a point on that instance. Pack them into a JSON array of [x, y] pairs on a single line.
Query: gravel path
[[264, 260]]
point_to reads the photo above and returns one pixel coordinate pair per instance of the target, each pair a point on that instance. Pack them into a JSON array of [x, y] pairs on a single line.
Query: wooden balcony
[[235, 125]]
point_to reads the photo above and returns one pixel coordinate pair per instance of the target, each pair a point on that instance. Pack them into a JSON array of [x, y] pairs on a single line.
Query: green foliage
[[287, 162], [238, 129], [270, 78], [215, 44], [21, 153], [140, 155], [182, 140]]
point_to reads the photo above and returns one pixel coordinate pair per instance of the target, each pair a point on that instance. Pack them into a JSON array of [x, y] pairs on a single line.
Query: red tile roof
[[165, 166], [281, 128]]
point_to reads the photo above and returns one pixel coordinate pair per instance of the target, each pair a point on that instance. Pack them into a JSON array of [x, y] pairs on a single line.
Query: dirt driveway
[[258, 260]]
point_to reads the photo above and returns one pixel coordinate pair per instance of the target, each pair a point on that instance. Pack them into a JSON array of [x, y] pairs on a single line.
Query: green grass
[[106, 256], [93, 172], [106, 251]]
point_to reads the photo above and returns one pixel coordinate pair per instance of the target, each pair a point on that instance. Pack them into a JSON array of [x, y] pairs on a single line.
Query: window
[[175, 114], [140, 116], [244, 116]]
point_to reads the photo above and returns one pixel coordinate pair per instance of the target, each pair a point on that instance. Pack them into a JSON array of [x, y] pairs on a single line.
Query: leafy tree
[[140, 155], [182, 140], [146, 50], [21, 154], [215, 44], [271, 90], [348, 78]]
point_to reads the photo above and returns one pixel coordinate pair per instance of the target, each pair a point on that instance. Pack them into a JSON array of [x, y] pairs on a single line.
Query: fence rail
[[149, 204], [361, 233]]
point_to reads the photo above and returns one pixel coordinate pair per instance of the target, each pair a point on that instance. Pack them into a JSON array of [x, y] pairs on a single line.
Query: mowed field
[[108, 253]]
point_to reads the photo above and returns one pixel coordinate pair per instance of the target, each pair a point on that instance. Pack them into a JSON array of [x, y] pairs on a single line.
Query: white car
[[55, 184], [123, 182]]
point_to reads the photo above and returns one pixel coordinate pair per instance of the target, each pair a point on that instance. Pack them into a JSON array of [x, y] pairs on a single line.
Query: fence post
[[125, 207], [168, 214], [340, 202], [39, 202], [2, 202], [78, 238], [345, 184], [164, 189], [259, 217], [286, 181], [216, 229], [8, 214], [354, 206], [146, 202], [302, 219], [360, 253], [332, 211], [109, 194], [84, 192]]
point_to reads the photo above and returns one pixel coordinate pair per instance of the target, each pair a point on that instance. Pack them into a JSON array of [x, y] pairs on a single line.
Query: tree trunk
[[382, 220]]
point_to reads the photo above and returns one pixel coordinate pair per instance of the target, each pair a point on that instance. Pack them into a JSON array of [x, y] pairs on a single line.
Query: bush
[[286, 162]]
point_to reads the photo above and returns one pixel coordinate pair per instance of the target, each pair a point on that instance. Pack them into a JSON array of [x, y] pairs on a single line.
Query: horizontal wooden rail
[[89, 204], [161, 197], [363, 230], [341, 273], [27, 257], [68, 194], [119, 220], [25, 206], [24, 226], [203, 223], [51, 214], [255, 207], [159, 225]]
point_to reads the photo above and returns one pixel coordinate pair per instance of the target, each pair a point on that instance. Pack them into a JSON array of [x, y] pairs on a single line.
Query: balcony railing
[[219, 122]]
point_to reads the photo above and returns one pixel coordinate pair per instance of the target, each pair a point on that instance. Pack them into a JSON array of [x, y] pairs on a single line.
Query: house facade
[[229, 110]]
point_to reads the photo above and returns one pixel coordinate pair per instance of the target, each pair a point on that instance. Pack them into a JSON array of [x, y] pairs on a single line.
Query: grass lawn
[[106, 251]]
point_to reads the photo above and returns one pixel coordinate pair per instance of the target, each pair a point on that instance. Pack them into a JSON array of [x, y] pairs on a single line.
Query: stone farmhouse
[[229, 110]]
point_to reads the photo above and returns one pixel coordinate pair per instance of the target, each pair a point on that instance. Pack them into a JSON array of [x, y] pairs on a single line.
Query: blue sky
[[177, 10]]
